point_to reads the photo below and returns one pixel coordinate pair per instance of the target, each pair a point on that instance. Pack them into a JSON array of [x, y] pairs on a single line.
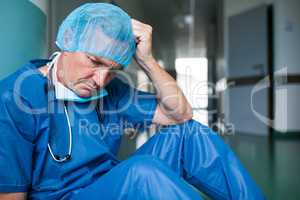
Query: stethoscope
[[51, 88]]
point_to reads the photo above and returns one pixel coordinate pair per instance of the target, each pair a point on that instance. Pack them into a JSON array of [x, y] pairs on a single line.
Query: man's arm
[[13, 196], [172, 107]]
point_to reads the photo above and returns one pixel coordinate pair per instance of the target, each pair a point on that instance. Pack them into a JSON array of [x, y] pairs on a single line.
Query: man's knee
[[145, 164]]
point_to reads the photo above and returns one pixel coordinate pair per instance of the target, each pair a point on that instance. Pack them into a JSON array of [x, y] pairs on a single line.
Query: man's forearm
[[171, 99]]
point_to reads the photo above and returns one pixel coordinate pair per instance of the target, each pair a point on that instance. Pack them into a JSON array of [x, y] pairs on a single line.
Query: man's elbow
[[185, 115], [188, 114]]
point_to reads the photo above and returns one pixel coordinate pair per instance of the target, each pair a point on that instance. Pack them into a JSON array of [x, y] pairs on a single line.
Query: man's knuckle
[[149, 28]]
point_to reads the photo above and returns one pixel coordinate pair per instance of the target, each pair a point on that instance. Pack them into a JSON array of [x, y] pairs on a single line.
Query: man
[[48, 149]]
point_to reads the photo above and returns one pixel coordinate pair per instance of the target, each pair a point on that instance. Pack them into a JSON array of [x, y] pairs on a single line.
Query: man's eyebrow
[[99, 61]]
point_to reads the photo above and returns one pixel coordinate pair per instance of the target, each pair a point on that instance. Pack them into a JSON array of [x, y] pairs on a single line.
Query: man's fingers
[[141, 33], [139, 25], [136, 22]]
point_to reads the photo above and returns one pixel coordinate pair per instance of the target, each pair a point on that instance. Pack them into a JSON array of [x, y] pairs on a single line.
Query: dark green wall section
[[22, 34]]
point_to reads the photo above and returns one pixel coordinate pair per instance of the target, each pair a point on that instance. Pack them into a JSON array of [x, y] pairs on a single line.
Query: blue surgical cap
[[99, 29]]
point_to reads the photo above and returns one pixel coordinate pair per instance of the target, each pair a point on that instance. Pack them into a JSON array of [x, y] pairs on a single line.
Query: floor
[[275, 166]]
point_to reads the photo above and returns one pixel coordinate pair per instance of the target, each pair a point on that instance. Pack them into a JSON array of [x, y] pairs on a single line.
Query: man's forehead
[[105, 61]]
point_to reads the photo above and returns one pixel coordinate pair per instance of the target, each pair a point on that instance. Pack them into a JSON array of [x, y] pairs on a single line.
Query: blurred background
[[237, 61]]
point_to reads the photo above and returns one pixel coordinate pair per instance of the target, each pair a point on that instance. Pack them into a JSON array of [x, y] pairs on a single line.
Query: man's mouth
[[87, 85], [90, 86]]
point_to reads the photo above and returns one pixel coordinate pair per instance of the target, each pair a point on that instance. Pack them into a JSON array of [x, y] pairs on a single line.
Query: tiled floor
[[275, 166]]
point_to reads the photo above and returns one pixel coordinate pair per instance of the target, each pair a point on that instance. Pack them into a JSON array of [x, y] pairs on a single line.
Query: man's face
[[86, 74]]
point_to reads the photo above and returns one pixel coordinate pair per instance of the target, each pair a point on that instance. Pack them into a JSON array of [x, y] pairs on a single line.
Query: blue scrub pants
[[176, 155]]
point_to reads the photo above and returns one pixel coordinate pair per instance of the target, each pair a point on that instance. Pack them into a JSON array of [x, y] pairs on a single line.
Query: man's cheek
[[110, 77]]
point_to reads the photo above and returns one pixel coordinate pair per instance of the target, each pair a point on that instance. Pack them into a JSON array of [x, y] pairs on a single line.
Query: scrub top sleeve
[[16, 145], [136, 107]]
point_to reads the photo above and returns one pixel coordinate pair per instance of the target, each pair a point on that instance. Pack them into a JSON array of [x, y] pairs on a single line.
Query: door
[[248, 63]]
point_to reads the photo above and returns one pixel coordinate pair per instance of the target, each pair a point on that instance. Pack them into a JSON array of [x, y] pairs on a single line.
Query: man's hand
[[13, 196], [143, 38]]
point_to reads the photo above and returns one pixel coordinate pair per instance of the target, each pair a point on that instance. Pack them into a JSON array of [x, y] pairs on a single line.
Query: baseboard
[[286, 135]]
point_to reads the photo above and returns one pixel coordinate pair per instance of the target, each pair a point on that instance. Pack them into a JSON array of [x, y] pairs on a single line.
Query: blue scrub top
[[26, 128]]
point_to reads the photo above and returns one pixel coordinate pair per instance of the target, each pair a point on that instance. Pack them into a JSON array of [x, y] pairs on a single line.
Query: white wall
[[287, 115], [287, 48]]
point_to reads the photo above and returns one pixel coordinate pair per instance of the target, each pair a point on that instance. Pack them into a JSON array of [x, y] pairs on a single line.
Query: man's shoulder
[[26, 83]]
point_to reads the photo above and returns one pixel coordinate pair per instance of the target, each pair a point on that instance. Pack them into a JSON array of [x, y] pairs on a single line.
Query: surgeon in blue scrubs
[[62, 119]]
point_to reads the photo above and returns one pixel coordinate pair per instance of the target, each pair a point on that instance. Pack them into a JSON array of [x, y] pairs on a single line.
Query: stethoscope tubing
[[55, 157]]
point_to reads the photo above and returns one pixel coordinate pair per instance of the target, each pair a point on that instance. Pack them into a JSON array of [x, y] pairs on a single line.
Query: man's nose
[[100, 76]]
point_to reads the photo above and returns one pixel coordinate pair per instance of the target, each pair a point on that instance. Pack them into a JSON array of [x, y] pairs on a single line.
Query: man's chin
[[84, 93]]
